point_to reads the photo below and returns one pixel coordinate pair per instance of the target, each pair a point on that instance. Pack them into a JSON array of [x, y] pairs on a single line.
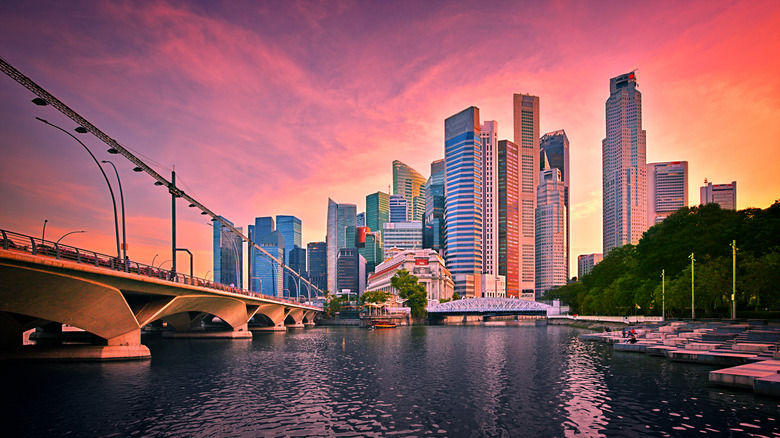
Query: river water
[[453, 381]]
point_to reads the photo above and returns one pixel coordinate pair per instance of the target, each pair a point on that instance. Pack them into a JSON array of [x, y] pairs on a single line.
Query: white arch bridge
[[487, 307]]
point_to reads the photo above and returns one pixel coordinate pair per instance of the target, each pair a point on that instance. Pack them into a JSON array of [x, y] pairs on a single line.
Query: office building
[[554, 154], [586, 262], [372, 251], [489, 138], [402, 235], [342, 224], [297, 262], [408, 183], [724, 195], [360, 219], [291, 229], [228, 257], [550, 231], [508, 226], [377, 210], [667, 189], [463, 200], [526, 132], [317, 264], [348, 271], [266, 274], [399, 208], [433, 221], [262, 227], [624, 165]]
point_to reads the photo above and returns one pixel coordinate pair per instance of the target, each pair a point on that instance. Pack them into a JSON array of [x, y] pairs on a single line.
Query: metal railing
[[10, 240]]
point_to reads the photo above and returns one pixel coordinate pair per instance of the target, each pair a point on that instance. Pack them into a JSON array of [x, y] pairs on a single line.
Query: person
[[632, 339]]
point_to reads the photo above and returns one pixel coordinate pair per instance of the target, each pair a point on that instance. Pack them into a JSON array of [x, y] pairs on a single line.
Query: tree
[[415, 294], [375, 296]]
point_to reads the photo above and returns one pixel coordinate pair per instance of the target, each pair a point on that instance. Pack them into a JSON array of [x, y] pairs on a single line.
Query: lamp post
[[113, 199], [122, 202], [43, 233], [663, 294], [261, 283], [733, 279], [153, 258], [188, 252], [163, 262], [693, 307], [67, 234]]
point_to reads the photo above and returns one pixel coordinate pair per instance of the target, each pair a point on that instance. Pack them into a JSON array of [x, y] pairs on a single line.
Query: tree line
[[629, 279]]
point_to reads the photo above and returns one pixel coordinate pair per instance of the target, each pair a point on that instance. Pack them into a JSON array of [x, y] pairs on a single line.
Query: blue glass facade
[[317, 254], [228, 257], [433, 220], [290, 227], [267, 274]]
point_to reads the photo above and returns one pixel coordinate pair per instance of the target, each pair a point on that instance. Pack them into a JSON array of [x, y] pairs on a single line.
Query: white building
[[624, 165], [489, 134], [425, 264], [551, 239], [723, 194], [403, 235], [493, 286], [667, 189], [586, 262]]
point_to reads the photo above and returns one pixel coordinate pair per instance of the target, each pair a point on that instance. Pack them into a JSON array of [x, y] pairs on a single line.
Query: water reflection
[[585, 393]]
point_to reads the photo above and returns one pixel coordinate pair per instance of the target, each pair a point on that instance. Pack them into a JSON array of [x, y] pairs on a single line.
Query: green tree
[[414, 293], [375, 296]]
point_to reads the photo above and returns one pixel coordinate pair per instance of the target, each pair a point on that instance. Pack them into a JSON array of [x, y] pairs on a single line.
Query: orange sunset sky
[[271, 107]]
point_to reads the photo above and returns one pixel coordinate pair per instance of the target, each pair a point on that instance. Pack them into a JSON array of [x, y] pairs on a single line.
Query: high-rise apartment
[[317, 261], [228, 255], [377, 210], [551, 235], [724, 195], [554, 154], [342, 224], [463, 204], [586, 262], [667, 189], [624, 165], [433, 221], [409, 183], [508, 208], [489, 137], [526, 131]]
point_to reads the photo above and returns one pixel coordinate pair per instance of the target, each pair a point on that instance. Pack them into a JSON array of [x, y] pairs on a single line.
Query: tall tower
[[624, 165], [489, 137], [554, 154], [290, 227], [433, 222], [551, 238], [409, 183], [526, 127], [463, 205], [227, 255], [667, 189], [508, 207], [377, 210], [341, 234]]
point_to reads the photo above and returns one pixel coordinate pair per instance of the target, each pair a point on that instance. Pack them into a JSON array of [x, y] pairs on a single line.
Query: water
[[421, 381]]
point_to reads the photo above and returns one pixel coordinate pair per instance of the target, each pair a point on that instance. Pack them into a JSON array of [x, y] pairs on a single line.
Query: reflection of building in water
[[494, 373], [584, 392]]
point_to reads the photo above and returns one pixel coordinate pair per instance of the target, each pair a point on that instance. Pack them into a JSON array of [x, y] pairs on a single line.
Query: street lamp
[[162, 263], [663, 294], [121, 201], [43, 233], [67, 234], [113, 199], [693, 307], [733, 279], [153, 258], [261, 283]]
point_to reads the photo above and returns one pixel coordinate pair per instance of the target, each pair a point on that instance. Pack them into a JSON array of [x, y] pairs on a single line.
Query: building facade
[[377, 210], [526, 137], [342, 224], [586, 262], [667, 189], [227, 253], [425, 264], [554, 154], [402, 235], [624, 165], [408, 183], [297, 262], [317, 264], [724, 195], [463, 200], [489, 139], [399, 208], [348, 271], [291, 229], [267, 274], [433, 221], [551, 238], [509, 217]]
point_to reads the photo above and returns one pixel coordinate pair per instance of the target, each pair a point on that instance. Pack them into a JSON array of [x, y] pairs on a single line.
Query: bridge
[[45, 284], [476, 309]]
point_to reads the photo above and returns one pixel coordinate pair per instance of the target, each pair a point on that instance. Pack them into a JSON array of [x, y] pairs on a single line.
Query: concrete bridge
[[46, 286]]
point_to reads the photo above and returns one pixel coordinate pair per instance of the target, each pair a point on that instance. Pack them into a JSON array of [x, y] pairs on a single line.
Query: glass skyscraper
[[342, 224], [526, 127], [551, 238], [433, 221], [667, 189], [489, 138], [228, 257], [266, 275], [508, 207], [624, 165], [377, 210], [399, 208], [290, 227], [409, 183], [554, 154], [463, 205], [317, 257]]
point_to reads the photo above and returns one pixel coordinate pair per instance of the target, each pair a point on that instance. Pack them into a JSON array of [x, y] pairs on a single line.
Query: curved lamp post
[[113, 199], [67, 234], [43, 233], [122, 201]]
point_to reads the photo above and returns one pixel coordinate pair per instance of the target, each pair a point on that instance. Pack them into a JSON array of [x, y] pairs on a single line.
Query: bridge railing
[[10, 240]]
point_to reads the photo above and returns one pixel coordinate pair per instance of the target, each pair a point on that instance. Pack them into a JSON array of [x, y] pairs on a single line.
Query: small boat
[[383, 324]]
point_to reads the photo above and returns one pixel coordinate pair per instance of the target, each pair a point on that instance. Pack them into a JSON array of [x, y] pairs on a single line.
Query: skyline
[[234, 95]]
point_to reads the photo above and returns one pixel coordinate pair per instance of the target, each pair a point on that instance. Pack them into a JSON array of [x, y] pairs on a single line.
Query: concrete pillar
[[128, 339], [11, 331]]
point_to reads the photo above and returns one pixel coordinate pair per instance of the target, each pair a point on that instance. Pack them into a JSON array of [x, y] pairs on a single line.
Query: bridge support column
[[11, 331]]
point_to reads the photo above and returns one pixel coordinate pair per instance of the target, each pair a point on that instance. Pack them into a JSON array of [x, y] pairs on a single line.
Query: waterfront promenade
[[750, 351]]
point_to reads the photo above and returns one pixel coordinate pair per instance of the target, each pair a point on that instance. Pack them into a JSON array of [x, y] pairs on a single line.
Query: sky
[[270, 108]]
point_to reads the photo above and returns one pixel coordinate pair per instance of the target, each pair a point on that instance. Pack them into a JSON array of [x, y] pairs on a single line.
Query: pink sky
[[270, 108]]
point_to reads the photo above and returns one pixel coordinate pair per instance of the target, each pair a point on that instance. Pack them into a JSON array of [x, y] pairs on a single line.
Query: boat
[[383, 324]]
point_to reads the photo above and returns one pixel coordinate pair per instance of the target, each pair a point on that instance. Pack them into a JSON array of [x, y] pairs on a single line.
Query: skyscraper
[[348, 271], [551, 235], [463, 205], [399, 208], [508, 208], [724, 195], [297, 262], [526, 131], [409, 183], [360, 219], [554, 154], [624, 165], [290, 227], [433, 221], [317, 261], [262, 227], [377, 210], [586, 262], [227, 254], [489, 137], [402, 235], [667, 189], [341, 234], [266, 273]]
